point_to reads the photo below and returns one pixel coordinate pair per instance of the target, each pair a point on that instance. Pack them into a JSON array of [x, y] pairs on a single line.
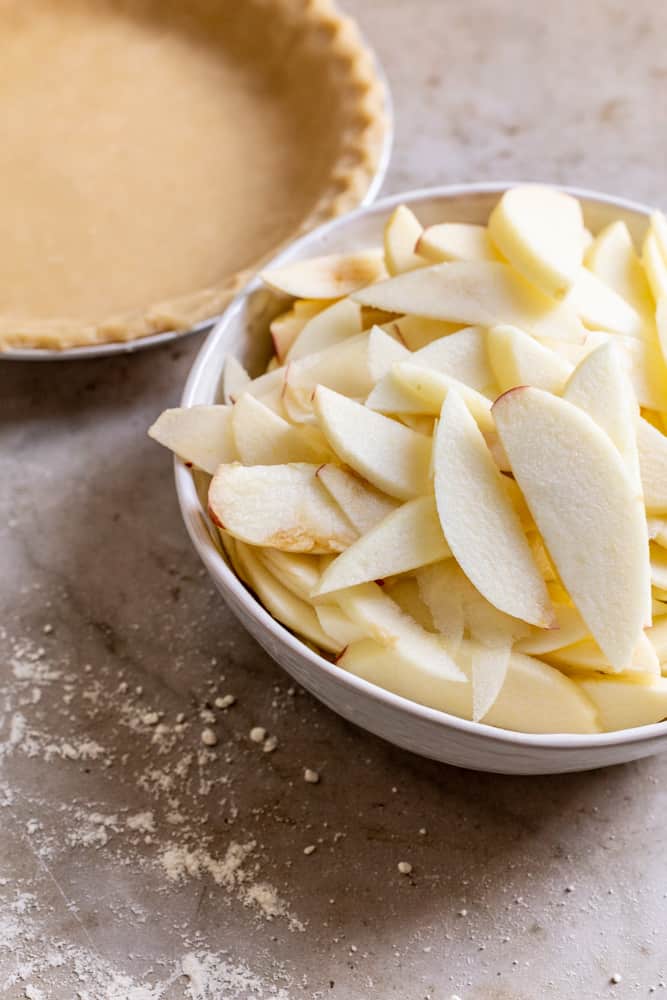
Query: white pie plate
[[243, 331]]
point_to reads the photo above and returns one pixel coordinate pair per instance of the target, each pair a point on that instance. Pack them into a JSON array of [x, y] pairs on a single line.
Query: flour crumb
[[142, 822], [226, 701], [404, 867], [270, 744], [310, 776], [310, 849], [257, 734], [209, 738]]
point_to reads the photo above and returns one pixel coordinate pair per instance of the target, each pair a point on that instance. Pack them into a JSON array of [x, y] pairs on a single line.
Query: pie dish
[[156, 152]]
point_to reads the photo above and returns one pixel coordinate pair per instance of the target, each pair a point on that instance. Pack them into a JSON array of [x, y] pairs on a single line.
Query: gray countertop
[[136, 863]]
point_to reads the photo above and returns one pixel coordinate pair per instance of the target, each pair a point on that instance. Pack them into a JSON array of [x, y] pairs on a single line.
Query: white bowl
[[243, 331]]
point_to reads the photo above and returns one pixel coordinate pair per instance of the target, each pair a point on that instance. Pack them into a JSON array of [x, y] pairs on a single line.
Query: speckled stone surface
[[138, 863]]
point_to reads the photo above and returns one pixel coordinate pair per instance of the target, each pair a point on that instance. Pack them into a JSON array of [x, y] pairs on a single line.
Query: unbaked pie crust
[[155, 152]]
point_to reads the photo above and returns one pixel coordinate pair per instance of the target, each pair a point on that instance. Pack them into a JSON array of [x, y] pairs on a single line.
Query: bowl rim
[[197, 525]]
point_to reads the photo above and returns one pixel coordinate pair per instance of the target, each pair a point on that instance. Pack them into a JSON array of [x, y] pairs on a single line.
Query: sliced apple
[[199, 435], [390, 456], [278, 506], [480, 524], [407, 538], [329, 277], [383, 351], [286, 327], [264, 438], [535, 698], [401, 234], [456, 241], [388, 625], [587, 510], [570, 628], [659, 230], [600, 307], [652, 447], [540, 231], [600, 386], [661, 325], [391, 396], [343, 367], [657, 529], [338, 626], [482, 293], [658, 566], [655, 266], [363, 505], [432, 388], [289, 609], [516, 358], [327, 327], [416, 331], [462, 355], [623, 705], [298, 572], [613, 258], [587, 655], [404, 590], [657, 636], [489, 666], [235, 379]]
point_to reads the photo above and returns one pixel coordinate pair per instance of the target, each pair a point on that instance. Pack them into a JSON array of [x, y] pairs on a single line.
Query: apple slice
[[587, 655], [655, 265], [404, 590], [433, 387], [489, 666], [535, 697], [327, 327], [659, 230], [362, 504], [661, 325], [652, 448], [657, 530], [623, 705], [390, 456], [343, 367], [480, 524], [329, 277], [600, 307], [390, 396], [401, 234], [289, 609], [657, 636], [407, 538], [587, 510], [235, 379], [658, 566], [462, 355], [383, 351], [337, 625], [279, 506], [388, 625], [298, 572], [570, 628], [613, 258], [264, 438], [416, 331], [456, 241], [516, 358], [199, 435], [482, 293], [286, 327], [600, 386], [541, 233]]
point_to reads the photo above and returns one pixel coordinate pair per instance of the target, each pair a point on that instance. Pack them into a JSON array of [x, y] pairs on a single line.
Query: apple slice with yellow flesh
[[432, 388], [535, 698], [383, 352], [622, 704], [393, 458], [300, 573], [516, 358], [600, 386], [654, 256], [587, 655], [290, 610], [363, 505], [462, 355], [587, 510], [417, 331], [286, 327], [475, 293], [401, 234], [652, 448], [325, 328], [456, 241], [279, 506], [479, 522], [329, 277], [235, 379], [407, 538], [570, 628], [613, 259], [540, 231], [600, 307], [264, 438], [337, 625], [404, 590], [374, 611], [199, 435]]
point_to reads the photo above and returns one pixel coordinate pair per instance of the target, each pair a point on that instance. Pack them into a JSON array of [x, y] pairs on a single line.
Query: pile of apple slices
[[452, 477]]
